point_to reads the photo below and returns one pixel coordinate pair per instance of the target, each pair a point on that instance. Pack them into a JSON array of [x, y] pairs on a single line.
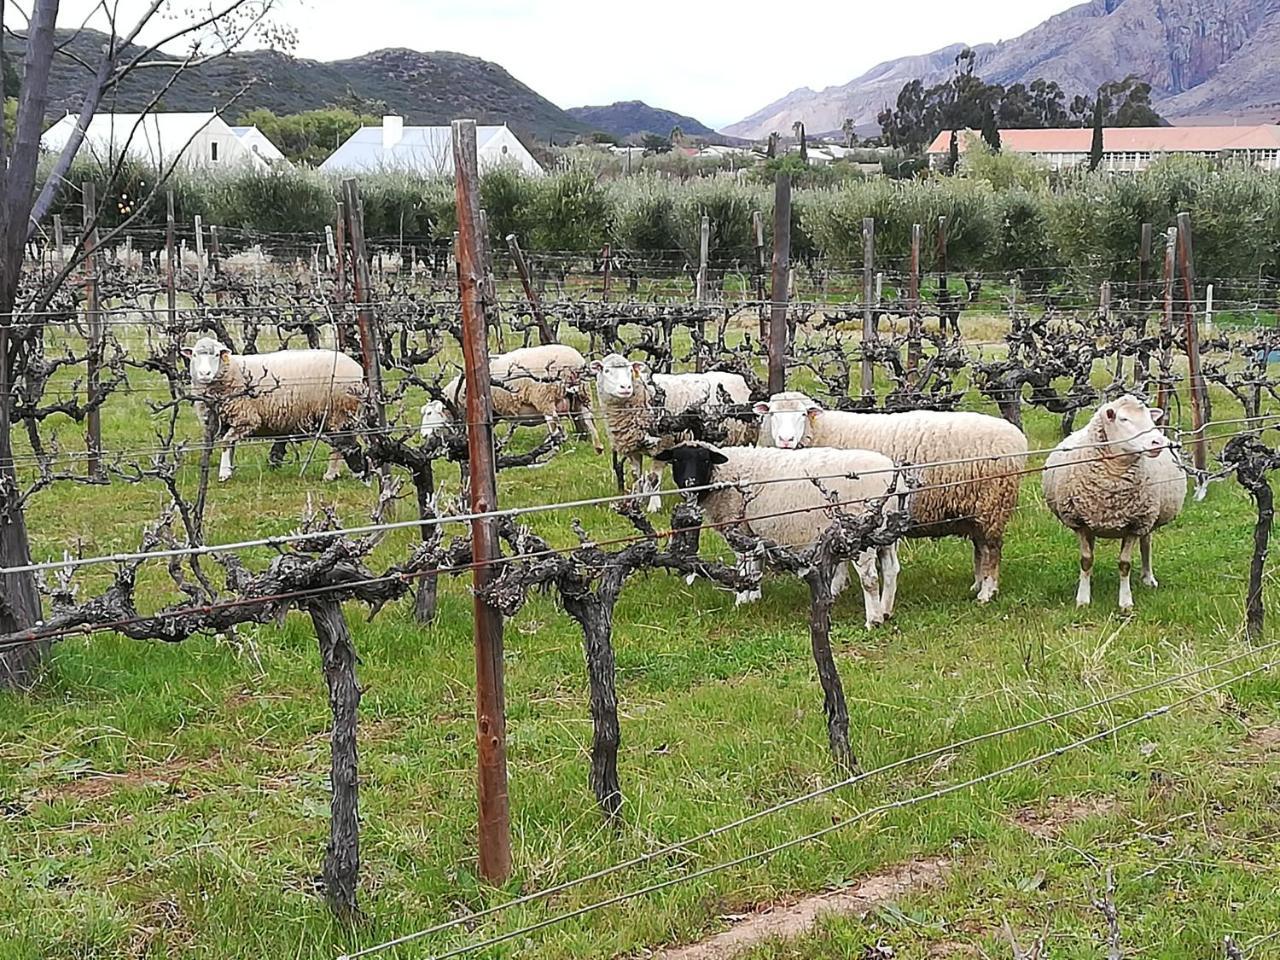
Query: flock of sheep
[[958, 473]]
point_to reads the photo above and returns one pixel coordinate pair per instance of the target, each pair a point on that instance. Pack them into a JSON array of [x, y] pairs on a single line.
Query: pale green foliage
[[1002, 171]]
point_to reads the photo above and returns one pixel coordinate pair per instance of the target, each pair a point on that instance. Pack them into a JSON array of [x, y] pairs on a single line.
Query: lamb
[[628, 398], [777, 510], [971, 490], [544, 381], [1116, 478], [280, 394]]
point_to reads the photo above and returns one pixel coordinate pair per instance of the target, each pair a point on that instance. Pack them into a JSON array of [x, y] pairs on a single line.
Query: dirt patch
[[950, 948], [795, 920], [174, 775], [1264, 740], [1061, 812]]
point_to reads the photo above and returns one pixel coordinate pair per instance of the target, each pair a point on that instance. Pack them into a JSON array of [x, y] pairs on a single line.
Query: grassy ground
[[172, 801]]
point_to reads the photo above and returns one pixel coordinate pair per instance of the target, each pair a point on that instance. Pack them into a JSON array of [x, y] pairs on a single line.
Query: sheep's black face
[[692, 465]]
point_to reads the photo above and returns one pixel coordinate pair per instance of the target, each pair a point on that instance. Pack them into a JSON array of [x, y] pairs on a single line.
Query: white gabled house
[[259, 143], [197, 141], [425, 150]]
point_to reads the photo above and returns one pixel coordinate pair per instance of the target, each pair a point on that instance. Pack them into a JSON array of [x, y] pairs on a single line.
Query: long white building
[[191, 140], [424, 150]]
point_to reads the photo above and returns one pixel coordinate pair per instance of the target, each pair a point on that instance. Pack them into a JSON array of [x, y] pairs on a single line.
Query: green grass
[[171, 801]]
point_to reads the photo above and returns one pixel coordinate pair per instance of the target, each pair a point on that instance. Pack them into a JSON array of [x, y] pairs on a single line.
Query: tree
[[653, 143], [1095, 146], [210, 30], [677, 135], [771, 150], [953, 154], [798, 129], [308, 137], [850, 131], [990, 132]]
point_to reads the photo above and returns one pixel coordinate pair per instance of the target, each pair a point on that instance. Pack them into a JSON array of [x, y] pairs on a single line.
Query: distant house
[[259, 143], [1126, 149], [425, 150], [200, 141]]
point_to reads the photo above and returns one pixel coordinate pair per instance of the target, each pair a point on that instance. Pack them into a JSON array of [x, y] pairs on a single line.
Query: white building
[[1125, 149], [258, 142], [192, 140], [425, 150]]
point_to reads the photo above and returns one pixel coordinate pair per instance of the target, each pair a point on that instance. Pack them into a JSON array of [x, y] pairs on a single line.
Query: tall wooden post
[[93, 317], [364, 312], [757, 232], [59, 256], [607, 255], [913, 305], [781, 277], [340, 276], [1166, 322], [944, 296], [704, 243], [1142, 296], [213, 250], [491, 733], [868, 306], [200, 249], [1186, 266], [171, 264], [530, 291]]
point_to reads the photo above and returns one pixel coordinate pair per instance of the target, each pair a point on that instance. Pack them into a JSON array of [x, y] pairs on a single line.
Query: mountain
[[628, 118], [1205, 59], [426, 88]]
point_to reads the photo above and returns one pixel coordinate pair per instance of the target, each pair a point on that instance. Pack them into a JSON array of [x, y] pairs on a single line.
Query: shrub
[[572, 212]]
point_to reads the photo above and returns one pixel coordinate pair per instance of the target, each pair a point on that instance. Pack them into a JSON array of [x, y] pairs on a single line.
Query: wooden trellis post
[[1199, 449], [868, 307], [1166, 322], [757, 231], [704, 243], [171, 264], [199, 249], [491, 732], [364, 312], [93, 318], [781, 276], [913, 306], [530, 291]]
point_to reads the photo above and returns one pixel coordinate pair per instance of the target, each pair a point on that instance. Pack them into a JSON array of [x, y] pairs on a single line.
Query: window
[[213, 151]]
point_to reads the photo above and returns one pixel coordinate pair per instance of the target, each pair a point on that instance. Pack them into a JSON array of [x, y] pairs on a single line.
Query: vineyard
[[1019, 777]]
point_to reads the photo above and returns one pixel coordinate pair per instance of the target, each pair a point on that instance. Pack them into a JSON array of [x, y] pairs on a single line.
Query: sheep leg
[[1126, 564], [749, 567], [584, 419], [276, 457], [1084, 592], [653, 485], [865, 564], [1148, 577], [979, 563], [990, 570], [224, 468], [335, 465], [889, 568]]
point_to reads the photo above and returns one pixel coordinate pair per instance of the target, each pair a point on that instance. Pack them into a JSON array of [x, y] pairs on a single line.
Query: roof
[[158, 134], [429, 149], [1125, 139]]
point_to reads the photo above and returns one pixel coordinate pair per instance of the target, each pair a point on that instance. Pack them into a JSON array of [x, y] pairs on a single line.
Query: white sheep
[[773, 497], [971, 490], [278, 395], [628, 398], [1116, 478], [545, 381]]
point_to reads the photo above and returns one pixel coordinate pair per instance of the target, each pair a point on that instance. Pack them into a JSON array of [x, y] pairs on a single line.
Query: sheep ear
[[665, 456], [224, 354], [186, 352], [813, 410], [761, 408], [717, 457], [637, 367], [1111, 413], [1156, 414], [595, 366]]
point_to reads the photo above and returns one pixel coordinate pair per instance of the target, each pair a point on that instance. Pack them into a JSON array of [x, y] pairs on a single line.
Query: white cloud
[[714, 60]]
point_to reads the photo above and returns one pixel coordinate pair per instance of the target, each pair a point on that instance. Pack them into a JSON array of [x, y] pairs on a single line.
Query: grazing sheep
[[628, 398], [778, 511], [277, 395], [539, 382], [973, 495], [1116, 478]]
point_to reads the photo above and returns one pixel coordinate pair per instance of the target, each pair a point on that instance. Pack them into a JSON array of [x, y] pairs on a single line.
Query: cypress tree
[[1095, 148], [990, 132]]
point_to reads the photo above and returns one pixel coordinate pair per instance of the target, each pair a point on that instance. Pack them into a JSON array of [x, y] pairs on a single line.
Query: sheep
[[544, 381], [971, 490], [278, 394], [777, 510], [628, 398], [1116, 478]]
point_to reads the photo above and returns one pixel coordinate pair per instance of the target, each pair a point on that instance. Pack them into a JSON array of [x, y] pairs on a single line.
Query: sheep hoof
[[1149, 580], [224, 477], [743, 597], [1126, 608], [655, 504], [599, 448]]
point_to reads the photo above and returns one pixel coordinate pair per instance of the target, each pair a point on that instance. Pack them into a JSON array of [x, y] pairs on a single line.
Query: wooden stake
[[171, 265], [781, 277], [93, 318], [200, 249], [1186, 265], [703, 246], [868, 306], [913, 305], [340, 277], [364, 312], [491, 728], [1166, 323], [944, 296], [757, 230], [530, 292]]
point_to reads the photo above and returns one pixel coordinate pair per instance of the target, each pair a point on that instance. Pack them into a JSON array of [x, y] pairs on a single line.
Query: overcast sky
[[714, 60]]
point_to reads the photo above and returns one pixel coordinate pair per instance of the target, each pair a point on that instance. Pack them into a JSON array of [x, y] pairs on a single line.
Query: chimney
[[392, 131]]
